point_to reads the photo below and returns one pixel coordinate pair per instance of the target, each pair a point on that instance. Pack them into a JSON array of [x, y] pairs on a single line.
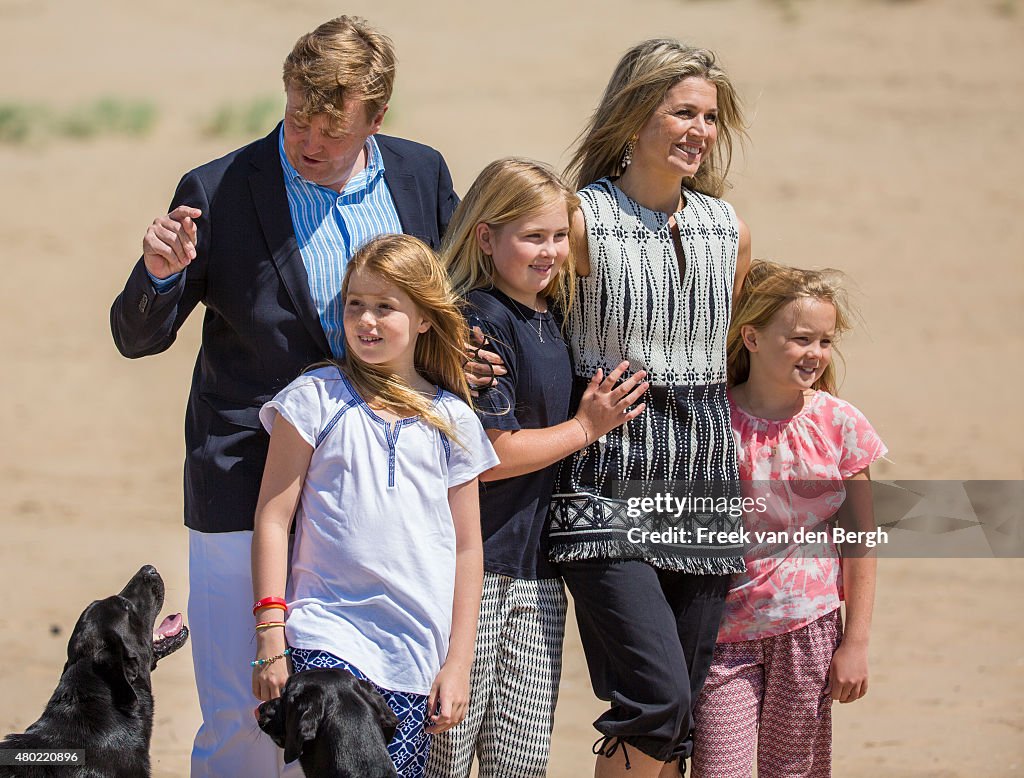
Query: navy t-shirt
[[534, 394]]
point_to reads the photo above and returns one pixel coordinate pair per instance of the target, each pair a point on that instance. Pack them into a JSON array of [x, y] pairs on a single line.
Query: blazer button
[[143, 302]]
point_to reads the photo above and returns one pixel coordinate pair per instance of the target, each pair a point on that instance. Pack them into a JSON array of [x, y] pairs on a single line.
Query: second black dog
[[336, 725], [103, 702]]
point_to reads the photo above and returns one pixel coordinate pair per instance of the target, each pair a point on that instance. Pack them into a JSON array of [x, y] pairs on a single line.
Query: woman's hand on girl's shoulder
[[448, 700], [605, 405]]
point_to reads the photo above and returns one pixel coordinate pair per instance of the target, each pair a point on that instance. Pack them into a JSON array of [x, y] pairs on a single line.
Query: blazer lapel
[[404, 191], [266, 183]]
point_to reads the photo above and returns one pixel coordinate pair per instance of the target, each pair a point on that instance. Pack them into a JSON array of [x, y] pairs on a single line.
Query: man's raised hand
[[170, 242]]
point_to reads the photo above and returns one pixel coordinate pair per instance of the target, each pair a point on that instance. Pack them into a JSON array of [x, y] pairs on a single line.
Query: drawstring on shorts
[[607, 746]]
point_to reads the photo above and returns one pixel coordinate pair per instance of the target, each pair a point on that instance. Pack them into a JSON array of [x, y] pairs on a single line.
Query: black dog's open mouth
[[169, 636]]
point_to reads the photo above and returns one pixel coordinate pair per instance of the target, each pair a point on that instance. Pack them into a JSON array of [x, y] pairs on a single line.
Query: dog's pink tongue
[[169, 626]]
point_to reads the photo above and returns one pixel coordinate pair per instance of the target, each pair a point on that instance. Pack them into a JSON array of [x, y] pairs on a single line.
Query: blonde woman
[[659, 256]]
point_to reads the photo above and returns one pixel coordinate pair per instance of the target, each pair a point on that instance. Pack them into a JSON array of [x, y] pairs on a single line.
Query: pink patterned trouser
[[768, 693]]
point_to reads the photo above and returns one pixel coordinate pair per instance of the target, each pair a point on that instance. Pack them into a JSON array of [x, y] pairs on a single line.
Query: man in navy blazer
[[260, 237]]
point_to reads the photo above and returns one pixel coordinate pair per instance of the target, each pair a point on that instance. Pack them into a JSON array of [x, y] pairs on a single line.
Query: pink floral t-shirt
[[797, 465]]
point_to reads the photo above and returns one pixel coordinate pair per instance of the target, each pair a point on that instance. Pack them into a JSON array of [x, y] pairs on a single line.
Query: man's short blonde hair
[[342, 59]]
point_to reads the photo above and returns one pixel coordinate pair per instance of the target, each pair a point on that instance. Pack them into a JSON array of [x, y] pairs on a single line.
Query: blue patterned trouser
[[411, 744]]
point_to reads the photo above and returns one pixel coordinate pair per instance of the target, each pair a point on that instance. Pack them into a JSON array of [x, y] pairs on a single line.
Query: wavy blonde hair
[[767, 289], [342, 58], [637, 87], [506, 190], [413, 267]]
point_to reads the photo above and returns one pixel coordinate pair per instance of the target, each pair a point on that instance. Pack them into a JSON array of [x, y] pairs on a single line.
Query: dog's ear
[[120, 667], [302, 719], [105, 648], [85, 641], [386, 718]]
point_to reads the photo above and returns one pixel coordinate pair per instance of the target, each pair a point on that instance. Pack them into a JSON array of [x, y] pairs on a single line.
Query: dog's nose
[[149, 571]]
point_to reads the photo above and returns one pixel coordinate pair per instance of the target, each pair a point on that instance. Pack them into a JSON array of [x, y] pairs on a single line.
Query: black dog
[[336, 725], [103, 702]]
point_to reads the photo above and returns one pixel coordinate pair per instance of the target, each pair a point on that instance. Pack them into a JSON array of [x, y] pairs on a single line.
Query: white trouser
[[228, 744]]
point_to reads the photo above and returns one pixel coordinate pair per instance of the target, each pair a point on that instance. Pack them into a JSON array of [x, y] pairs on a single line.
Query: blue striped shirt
[[330, 227]]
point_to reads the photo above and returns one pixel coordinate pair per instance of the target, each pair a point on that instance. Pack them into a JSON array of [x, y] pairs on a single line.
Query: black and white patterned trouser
[[514, 684]]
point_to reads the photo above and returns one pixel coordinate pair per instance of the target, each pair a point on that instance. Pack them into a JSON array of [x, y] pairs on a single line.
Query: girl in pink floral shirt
[[782, 656]]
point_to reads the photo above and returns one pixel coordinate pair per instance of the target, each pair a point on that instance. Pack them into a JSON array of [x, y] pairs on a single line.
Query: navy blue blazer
[[261, 328]]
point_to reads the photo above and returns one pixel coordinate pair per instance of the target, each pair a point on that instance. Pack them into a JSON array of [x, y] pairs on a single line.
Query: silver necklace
[[540, 325], [535, 314]]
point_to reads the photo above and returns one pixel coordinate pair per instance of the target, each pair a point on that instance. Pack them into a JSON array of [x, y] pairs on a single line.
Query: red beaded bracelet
[[270, 602]]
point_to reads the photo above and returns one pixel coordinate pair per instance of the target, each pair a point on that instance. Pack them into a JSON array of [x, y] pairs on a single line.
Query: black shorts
[[648, 635]]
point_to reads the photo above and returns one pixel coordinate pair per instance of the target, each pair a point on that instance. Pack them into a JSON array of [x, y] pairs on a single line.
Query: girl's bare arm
[[848, 675], [450, 691], [285, 471]]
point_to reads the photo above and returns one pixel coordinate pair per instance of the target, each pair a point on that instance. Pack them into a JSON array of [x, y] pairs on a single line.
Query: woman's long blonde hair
[[637, 87], [413, 267], [766, 290], [506, 190]]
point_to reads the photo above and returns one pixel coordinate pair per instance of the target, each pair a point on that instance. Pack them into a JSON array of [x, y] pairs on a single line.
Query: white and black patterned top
[[642, 304]]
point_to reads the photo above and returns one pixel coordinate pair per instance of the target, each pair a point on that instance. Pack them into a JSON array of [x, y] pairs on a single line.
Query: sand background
[[885, 140]]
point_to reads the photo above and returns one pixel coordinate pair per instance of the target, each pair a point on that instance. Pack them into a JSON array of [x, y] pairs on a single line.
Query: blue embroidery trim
[[391, 429], [447, 447], [391, 433], [334, 421]]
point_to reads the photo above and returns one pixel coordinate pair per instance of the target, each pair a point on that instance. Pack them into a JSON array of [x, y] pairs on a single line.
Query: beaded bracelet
[[270, 659]]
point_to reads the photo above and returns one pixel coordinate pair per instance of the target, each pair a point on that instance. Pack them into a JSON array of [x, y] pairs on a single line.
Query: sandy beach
[[884, 140]]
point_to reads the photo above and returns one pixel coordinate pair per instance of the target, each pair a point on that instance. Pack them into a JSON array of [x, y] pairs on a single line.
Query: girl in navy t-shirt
[[508, 254]]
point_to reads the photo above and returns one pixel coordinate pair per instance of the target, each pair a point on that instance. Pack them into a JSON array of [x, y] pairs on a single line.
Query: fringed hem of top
[[620, 551]]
